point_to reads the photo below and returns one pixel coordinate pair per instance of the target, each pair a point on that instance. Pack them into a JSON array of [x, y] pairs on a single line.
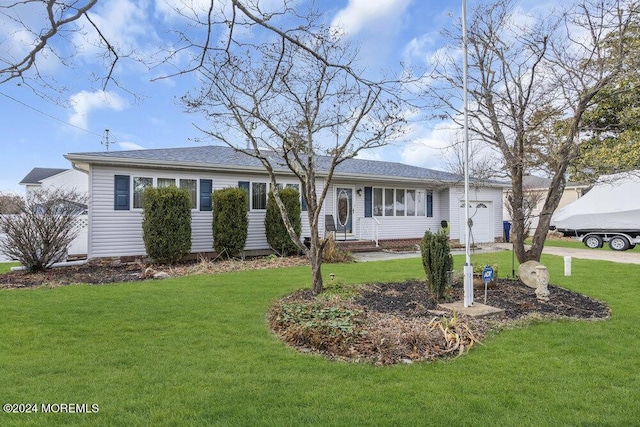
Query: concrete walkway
[[386, 255], [625, 257]]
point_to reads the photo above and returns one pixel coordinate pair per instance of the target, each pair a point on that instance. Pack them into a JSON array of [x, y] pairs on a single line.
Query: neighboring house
[[368, 200], [536, 189], [63, 179], [67, 179]]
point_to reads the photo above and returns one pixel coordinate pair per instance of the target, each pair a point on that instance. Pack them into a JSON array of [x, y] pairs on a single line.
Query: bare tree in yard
[[10, 204], [531, 198], [526, 75], [301, 106], [41, 232], [483, 165], [35, 31]]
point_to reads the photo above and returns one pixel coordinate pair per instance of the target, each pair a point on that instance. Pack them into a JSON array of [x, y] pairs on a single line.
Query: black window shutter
[[121, 192], [368, 202], [206, 188]]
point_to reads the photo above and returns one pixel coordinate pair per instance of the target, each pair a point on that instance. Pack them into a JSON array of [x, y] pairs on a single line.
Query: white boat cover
[[612, 204]]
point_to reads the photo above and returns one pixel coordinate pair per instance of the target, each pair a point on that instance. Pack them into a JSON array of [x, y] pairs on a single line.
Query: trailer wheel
[[619, 243], [593, 241]]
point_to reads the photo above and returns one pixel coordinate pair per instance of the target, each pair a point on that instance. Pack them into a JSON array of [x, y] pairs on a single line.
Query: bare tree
[[483, 164], [40, 234], [10, 204], [38, 29], [302, 108], [531, 199], [526, 73]]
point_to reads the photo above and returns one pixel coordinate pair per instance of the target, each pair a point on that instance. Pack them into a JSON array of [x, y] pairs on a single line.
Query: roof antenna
[[105, 139]]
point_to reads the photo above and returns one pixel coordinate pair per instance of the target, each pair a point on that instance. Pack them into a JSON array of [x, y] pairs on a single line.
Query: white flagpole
[[468, 267]]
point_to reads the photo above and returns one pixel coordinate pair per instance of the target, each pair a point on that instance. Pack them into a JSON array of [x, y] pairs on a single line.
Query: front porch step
[[357, 245]]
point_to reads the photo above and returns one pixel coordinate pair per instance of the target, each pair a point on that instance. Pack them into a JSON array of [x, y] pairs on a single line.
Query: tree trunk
[[315, 259], [316, 272], [516, 199], [551, 202]]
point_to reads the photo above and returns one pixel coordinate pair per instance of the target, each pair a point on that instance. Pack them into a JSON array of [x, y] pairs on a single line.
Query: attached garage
[[482, 229]]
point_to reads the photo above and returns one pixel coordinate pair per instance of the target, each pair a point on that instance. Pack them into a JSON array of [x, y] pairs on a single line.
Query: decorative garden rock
[[542, 289], [528, 276]]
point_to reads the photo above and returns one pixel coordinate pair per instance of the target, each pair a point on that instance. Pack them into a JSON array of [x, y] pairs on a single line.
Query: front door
[[344, 209]]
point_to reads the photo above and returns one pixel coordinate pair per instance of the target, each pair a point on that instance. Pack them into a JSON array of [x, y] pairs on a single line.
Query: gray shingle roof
[[532, 181], [213, 155], [38, 174]]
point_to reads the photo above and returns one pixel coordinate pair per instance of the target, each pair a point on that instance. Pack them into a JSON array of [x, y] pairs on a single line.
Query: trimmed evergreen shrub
[[277, 235], [166, 223], [230, 220], [437, 262]]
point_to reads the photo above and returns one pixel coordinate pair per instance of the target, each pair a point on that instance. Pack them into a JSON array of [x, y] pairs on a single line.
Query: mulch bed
[[105, 272], [518, 300], [401, 323]]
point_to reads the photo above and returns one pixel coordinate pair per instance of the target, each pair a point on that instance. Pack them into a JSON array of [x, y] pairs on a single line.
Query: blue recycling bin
[[506, 225]]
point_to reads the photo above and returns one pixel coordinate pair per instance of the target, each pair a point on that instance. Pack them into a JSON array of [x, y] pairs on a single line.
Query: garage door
[[481, 214]]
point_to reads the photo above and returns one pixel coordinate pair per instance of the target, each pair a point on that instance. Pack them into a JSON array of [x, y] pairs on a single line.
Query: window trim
[[133, 191], [195, 195], [266, 195], [381, 194], [154, 184]]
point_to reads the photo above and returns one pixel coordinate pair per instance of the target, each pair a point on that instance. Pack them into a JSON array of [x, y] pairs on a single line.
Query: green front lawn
[[197, 351], [6, 266]]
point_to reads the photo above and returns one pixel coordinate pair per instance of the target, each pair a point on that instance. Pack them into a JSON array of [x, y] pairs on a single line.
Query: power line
[[48, 115]]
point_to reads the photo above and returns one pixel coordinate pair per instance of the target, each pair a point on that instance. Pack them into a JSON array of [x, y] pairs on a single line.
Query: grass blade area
[[197, 351], [5, 267]]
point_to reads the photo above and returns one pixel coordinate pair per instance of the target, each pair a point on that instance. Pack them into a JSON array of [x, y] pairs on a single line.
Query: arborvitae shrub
[[230, 220], [166, 223], [437, 262], [277, 235]]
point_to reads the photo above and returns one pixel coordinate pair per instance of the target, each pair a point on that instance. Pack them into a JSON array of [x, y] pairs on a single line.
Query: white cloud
[[130, 146], [85, 102], [124, 23], [378, 16], [428, 147]]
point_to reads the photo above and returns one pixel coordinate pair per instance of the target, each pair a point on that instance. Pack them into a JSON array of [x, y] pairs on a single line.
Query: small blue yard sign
[[487, 274]]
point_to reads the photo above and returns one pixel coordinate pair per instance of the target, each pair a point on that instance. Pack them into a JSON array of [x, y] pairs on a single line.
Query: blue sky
[[37, 132]]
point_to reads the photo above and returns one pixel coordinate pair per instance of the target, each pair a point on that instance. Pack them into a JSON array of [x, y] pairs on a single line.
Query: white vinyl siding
[[119, 233]]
